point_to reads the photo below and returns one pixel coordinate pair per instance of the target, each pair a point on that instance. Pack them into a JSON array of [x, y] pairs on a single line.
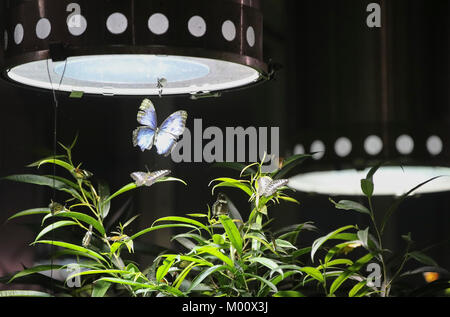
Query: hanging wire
[[55, 140]]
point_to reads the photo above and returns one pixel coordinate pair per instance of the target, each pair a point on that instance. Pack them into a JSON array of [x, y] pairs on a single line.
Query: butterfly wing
[[164, 143], [169, 132], [147, 114], [151, 178], [274, 186], [263, 184], [139, 178], [144, 138], [175, 123]]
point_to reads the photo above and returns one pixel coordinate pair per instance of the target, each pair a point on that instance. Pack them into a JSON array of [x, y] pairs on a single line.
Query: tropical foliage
[[224, 254]]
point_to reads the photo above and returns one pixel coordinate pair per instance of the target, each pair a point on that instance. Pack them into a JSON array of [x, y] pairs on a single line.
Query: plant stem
[[384, 290]]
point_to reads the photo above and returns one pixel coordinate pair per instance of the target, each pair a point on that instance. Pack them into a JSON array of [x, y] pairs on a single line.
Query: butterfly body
[[87, 238], [220, 207], [56, 208], [149, 178], [165, 137]]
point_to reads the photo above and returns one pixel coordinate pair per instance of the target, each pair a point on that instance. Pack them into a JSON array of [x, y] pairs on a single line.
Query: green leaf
[[373, 170], [260, 238], [30, 212], [264, 281], [355, 289], [182, 276], [301, 252], [154, 228], [277, 279], [162, 271], [184, 220], [367, 187], [202, 276], [349, 272], [33, 270], [82, 217], [72, 247], [103, 192], [350, 205], [215, 252], [124, 189], [270, 264], [56, 225], [422, 258], [55, 161], [170, 179], [313, 272], [23, 294], [193, 236], [288, 294], [284, 244], [232, 232], [233, 183], [363, 236], [319, 242], [197, 215], [187, 258], [337, 249], [100, 288], [171, 290], [95, 272], [44, 181], [78, 95], [335, 262]]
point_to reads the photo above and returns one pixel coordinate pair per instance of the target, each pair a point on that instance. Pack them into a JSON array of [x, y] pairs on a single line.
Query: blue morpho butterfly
[[163, 138]]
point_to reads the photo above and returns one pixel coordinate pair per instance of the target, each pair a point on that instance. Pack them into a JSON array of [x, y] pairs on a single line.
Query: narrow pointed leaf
[[184, 220], [232, 232], [349, 272], [100, 288], [33, 270], [44, 181], [30, 212], [23, 294], [350, 205], [56, 225], [313, 272], [103, 192], [72, 247], [202, 276], [84, 218], [319, 242]]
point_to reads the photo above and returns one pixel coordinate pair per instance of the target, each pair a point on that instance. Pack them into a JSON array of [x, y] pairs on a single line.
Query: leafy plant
[[98, 254], [227, 256], [223, 253], [336, 269]]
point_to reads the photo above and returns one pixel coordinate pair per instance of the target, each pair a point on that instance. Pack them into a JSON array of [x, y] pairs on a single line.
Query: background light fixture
[[134, 47], [383, 98]]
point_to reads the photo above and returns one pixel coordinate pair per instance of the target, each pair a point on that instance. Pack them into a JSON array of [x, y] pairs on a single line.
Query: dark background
[[331, 74]]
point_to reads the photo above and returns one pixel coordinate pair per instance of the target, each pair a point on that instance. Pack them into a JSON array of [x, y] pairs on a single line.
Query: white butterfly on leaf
[[148, 178], [267, 186], [165, 137]]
